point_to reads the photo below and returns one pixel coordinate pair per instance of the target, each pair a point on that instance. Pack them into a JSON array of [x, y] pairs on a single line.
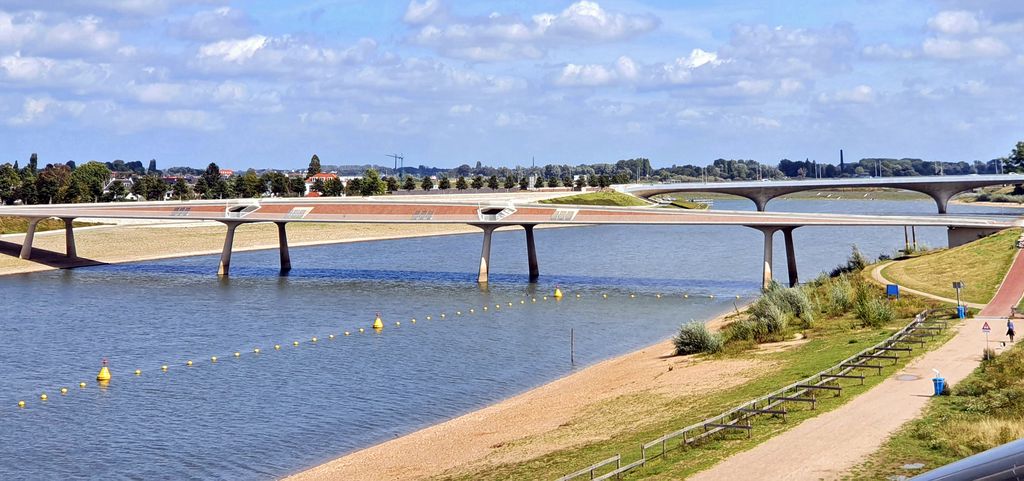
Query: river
[[262, 416]]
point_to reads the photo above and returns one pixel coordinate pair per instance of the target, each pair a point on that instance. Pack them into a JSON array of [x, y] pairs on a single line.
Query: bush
[[742, 330], [839, 293], [694, 337], [855, 263], [873, 312]]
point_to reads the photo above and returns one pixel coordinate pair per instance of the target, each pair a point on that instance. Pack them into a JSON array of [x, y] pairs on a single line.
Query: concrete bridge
[[941, 188], [488, 216]]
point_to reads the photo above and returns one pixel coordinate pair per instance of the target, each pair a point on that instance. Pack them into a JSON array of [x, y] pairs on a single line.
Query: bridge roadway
[[488, 216], [941, 188]]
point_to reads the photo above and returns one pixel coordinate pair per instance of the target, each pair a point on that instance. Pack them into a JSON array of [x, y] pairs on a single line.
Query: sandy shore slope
[[538, 421]]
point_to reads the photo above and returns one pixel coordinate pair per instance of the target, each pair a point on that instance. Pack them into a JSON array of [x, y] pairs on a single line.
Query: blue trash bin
[[961, 311], [939, 384]]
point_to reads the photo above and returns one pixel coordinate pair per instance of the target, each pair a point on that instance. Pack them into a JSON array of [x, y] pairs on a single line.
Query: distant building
[[311, 181], [226, 173]]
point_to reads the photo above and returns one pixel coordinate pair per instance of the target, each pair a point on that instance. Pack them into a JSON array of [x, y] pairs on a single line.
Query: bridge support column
[[958, 236], [787, 233], [69, 237], [30, 234], [485, 253], [225, 255], [282, 238], [766, 273], [531, 253], [761, 202]]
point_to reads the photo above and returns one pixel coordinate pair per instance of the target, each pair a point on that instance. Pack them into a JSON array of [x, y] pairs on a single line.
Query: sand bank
[[541, 420]]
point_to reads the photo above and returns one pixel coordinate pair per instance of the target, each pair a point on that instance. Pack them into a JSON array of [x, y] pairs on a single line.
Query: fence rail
[[739, 417]]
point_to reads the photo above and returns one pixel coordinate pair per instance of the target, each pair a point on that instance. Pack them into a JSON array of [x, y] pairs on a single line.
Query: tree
[[216, 187], [592, 180], [511, 182], [1015, 162], [296, 186], [553, 182], [318, 186], [539, 183], [444, 183], [10, 181], [314, 166], [410, 183], [580, 183], [248, 185], [117, 190], [461, 184], [181, 190], [524, 183], [492, 183], [91, 176], [478, 182], [391, 183], [371, 184], [153, 187], [333, 187], [426, 183], [152, 168], [52, 184]]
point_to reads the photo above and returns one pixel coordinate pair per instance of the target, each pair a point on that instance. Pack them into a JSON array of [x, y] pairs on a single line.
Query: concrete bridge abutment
[[282, 240], [958, 236], [531, 253], [769, 234], [225, 256], [30, 235], [69, 237], [485, 253]]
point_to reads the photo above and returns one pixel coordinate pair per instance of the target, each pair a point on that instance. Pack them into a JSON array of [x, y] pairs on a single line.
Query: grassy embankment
[[599, 198], [984, 411], [15, 225], [981, 265], [832, 332]]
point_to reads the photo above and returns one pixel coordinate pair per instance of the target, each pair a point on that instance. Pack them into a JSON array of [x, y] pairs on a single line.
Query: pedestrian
[[1009, 329]]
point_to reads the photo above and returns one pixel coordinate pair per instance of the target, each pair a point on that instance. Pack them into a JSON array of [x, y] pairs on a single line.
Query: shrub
[[855, 263], [742, 330], [694, 337], [873, 312], [839, 293]]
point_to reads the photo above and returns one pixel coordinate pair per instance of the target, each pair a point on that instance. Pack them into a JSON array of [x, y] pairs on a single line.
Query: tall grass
[[695, 337]]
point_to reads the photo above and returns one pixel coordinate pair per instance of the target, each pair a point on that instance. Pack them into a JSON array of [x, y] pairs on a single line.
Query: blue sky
[[269, 83]]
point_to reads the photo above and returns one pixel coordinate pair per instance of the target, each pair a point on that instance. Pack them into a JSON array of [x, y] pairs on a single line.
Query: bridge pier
[[30, 234], [485, 253], [282, 239], [787, 233], [225, 256], [531, 253], [958, 236], [69, 237], [766, 272]]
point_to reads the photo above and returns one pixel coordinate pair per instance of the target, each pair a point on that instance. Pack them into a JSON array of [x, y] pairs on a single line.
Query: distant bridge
[[941, 188], [488, 216]]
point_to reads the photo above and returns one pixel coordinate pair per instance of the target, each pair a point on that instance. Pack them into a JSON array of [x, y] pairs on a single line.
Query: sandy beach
[[564, 413]]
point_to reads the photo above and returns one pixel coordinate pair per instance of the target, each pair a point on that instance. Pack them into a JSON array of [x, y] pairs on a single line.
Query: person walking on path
[[1009, 329]]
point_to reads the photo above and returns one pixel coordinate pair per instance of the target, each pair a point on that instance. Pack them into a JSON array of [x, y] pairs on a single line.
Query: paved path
[[829, 445], [1009, 293], [876, 275]]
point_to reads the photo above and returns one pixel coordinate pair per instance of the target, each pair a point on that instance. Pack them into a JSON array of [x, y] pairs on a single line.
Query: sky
[[265, 83]]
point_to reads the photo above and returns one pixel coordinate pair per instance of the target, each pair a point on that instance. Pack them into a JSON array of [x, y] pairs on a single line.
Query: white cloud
[[955, 22], [283, 55], [884, 51], [681, 70], [421, 12], [224, 22], [499, 37], [36, 32], [28, 71], [43, 110], [861, 94], [975, 48]]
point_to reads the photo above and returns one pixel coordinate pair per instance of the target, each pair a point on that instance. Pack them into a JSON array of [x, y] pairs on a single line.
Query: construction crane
[[398, 158]]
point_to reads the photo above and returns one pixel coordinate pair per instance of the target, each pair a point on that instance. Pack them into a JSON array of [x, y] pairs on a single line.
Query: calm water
[[265, 415]]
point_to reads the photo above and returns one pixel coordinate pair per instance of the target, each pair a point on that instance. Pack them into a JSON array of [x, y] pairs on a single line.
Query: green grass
[[983, 412], [685, 204], [981, 264], [599, 198], [16, 225], [622, 424]]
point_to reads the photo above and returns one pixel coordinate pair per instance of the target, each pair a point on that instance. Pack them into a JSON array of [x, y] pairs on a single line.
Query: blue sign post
[[892, 290]]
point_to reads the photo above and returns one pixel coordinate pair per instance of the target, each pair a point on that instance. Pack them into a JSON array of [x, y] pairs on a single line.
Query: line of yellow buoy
[[104, 375]]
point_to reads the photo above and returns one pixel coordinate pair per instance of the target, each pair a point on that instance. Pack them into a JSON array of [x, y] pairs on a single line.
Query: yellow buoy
[[510, 304], [42, 396], [277, 347], [314, 339], [471, 311], [138, 372], [397, 323], [213, 358], [21, 404], [188, 363], [558, 293], [63, 390], [413, 320], [686, 296], [378, 323], [522, 302], [346, 333], [534, 299], [737, 297], [711, 296], [485, 308], [295, 343], [104, 374], [428, 317], [163, 368], [360, 330], [545, 298], [632, 296], [578, 296], [458, 313], [497, 306], [604, 296], [330, 336], [256, 350], [238, 354], [81, 385], [658, 296]]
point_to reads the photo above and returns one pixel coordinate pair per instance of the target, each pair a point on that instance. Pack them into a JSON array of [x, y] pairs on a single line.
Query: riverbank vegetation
[[16, 225], [982, 412], [808, 329], [599, 198], [981, 265]]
